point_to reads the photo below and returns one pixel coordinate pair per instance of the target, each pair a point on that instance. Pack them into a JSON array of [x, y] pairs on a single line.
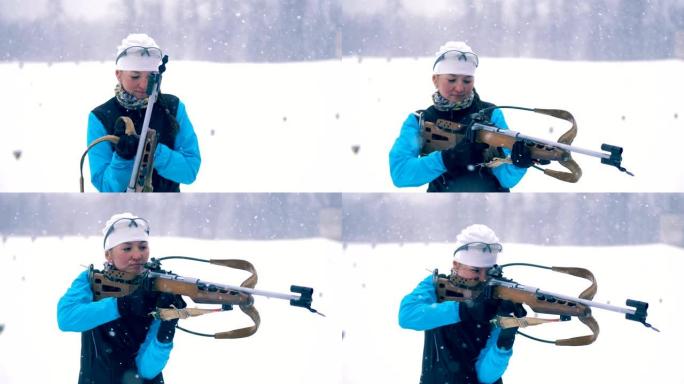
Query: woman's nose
[[143, 83]]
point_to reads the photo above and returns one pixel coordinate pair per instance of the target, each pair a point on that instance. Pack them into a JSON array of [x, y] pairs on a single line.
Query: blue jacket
[[420, 311], [111, 173], [408, 169], [77, 312]]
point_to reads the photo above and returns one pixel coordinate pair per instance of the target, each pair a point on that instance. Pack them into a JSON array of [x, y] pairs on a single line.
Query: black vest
[[479, 180], [450, 353], [108, 352], [164, 110]]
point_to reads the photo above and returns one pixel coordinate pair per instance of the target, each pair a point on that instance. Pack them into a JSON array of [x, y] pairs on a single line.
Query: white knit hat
[[477, 246], [123, 228], [456, 58], [138, 52]]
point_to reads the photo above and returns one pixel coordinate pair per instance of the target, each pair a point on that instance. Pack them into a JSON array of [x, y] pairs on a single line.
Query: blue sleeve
[[508, 175], [182, 163], [407, 168], [108, 171], [152, 355], [492, 361], [420, 310], [77, 312]]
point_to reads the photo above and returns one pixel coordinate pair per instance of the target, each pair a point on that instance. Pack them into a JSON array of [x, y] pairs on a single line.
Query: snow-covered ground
[[328, 126], [358, 287]]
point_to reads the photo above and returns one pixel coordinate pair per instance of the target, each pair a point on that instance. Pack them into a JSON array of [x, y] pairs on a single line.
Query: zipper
[[92, 336], [436, 348]]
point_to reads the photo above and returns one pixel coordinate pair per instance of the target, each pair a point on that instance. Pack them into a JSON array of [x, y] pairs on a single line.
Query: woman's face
[[454, 88], [134, 82], [470, 273], [130, 256]]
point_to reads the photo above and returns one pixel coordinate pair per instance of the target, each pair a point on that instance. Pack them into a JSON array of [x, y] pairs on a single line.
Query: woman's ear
[[434, 80], [108, 255]]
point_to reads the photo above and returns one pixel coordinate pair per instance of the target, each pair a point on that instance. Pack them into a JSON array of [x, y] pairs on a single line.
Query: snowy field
[[359, 288], [328, 126]]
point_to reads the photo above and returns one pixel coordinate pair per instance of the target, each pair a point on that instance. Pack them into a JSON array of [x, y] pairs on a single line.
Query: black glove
[[507, 308], [506, 338], [481, 309], [167, 329], [457, 158], [521, 155], [128, 144], [139, 303], [166, 300]]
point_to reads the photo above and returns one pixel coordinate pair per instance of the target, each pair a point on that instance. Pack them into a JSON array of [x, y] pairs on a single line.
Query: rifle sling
[[244, 265], [587, 294], [246, 331], [111, 138], [590, 322]]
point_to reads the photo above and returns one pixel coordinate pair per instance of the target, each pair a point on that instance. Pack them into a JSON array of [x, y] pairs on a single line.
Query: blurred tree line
[[259, 216], [554, 219], [298, 30], [549, 218]]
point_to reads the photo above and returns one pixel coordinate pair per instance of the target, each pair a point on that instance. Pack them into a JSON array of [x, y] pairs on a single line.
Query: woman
[[461, 345], [459, 168], [120, 341], [177, 156]]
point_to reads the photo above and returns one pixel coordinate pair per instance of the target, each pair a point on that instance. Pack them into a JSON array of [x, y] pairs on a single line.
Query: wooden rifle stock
[[540, 305], [448, 291], [143, 173]]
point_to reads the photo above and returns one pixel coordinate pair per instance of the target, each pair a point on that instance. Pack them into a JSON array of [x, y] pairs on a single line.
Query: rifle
[[454, 288], [113, 283], [444, 134], [143, 163]]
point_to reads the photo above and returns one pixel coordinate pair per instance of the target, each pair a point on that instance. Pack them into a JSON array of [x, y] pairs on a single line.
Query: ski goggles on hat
[[458, 55], [485, 247], [127, 222], [137, 50]]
